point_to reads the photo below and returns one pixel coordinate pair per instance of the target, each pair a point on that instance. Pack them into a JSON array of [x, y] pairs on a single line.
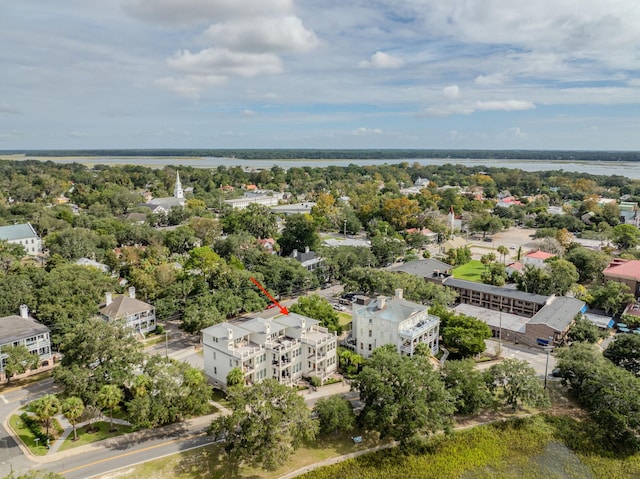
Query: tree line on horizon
[[346, 154]]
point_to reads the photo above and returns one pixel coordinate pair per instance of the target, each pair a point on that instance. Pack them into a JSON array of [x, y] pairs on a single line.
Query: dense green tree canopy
[[318, 308], [268, 422], [403, 396]]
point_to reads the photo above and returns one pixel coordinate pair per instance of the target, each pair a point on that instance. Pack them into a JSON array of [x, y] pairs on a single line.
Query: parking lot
[[513, 238]]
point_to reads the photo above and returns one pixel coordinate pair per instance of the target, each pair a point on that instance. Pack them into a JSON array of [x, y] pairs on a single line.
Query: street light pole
[[166, 343], [345, 228]]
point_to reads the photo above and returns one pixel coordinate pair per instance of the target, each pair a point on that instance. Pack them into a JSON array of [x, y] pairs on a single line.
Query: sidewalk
[[190, 427]]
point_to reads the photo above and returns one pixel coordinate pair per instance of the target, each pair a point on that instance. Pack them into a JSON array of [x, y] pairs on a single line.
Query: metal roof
[[559, 313], [495, 290], [16, 232]]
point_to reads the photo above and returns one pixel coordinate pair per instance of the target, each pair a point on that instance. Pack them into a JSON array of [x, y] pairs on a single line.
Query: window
[[370, 333], [369, 347], [215, 370]]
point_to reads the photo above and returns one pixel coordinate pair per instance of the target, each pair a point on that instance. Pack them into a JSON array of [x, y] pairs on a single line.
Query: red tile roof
[[623, 269], [540, 255]]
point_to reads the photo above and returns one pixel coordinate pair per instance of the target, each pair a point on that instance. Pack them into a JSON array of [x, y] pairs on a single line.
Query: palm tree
[[45, 408], [502, 249], [109, 397], [72, 408], [235, 377]]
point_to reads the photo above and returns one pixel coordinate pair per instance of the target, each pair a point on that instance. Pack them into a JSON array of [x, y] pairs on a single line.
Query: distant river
[[622, 168]]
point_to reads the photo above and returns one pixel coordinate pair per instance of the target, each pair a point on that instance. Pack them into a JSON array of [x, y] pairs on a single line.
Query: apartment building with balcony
[[404, 324], [286, 348]]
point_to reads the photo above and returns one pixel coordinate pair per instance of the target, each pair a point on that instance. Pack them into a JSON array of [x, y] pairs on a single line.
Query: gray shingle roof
[[496, 290], [423, 268], [124, 306], [14, 328], [558, 313]]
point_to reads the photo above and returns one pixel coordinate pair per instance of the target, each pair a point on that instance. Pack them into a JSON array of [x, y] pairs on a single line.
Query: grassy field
[[470, 271], [87, 438], [540, 447]]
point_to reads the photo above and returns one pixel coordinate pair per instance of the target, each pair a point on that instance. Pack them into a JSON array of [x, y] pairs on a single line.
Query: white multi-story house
[[24, 235], [24, 330], [286, 348], [136, 314], [404, 324]]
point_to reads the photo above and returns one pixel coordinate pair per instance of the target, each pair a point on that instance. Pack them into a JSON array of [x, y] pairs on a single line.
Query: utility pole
[[548, 349], [345, 228], [499, 352], [166, 343]]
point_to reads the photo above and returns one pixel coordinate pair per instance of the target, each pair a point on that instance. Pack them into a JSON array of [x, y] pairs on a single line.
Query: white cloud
[[257, 34], [222, 62], [249, 112], [504, 105], [184, 13], [367, 131], [382, 60], [492, 79], [516, 132], [447, 110], [451, 91]]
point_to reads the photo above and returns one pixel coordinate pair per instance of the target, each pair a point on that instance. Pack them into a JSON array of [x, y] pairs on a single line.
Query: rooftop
[[626, 269], [394, 309], [540, 255], [559, 313], [123, 306], [495, 290], [16, 232], [14, 328], [422, 267]]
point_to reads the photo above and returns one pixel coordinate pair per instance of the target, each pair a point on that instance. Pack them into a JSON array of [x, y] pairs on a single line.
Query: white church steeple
[[178, 192]]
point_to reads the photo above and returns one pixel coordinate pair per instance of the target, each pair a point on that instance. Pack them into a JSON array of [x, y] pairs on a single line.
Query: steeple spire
[[178, 192]]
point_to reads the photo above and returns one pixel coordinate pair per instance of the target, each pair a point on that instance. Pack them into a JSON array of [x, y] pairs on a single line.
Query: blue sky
[[490, 74]]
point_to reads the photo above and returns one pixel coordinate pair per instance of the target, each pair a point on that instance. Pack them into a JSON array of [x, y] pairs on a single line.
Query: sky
[[443, 74]]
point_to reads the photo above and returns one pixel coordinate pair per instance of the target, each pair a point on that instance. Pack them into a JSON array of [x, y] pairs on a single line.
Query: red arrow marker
[[283, 309]]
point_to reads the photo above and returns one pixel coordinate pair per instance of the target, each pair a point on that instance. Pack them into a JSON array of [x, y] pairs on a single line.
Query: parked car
[[271, 306]]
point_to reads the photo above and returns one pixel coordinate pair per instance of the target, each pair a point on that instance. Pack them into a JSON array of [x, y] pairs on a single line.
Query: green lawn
[[102, 433], [470, 271], [26, 436]]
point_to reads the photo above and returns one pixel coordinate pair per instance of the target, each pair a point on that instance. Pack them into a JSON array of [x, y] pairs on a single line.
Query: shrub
[[315, 381], [34, 427]]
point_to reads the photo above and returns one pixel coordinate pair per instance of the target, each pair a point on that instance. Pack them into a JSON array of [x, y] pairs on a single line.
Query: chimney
[[303, 323], [230, 334], [399, 293], [306, 249], [382, 302], [24, 311], [294, 254], [267, 329], [108, 298], [132, 292]]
